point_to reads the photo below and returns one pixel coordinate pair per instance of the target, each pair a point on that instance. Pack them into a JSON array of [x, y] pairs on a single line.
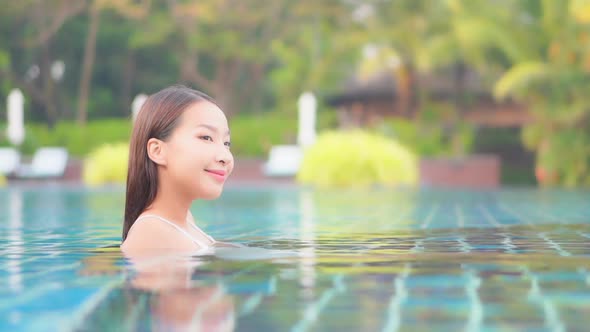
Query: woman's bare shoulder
[[151, 234]]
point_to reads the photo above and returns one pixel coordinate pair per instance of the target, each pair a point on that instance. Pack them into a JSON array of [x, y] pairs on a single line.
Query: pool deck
[[247, 173], [480, 172]]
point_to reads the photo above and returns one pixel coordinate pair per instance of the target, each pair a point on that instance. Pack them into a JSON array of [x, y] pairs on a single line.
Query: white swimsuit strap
[[187, 234], [200, 231]]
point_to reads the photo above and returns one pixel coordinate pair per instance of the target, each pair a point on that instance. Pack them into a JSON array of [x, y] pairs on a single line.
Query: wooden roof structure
[[379, 94]]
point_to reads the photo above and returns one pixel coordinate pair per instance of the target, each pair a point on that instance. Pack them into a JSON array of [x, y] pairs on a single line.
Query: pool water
[[379, 260]]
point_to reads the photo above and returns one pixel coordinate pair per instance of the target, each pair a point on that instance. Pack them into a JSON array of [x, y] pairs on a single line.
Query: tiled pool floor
[[365, 261]]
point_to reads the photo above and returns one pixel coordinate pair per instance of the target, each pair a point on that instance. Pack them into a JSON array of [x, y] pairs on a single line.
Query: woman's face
[[198, 157]]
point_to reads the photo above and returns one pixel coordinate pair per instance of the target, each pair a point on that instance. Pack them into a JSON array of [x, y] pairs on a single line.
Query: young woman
[[179, 152]]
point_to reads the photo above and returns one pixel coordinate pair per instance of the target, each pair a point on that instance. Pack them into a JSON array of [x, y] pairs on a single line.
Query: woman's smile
[[218, 175]]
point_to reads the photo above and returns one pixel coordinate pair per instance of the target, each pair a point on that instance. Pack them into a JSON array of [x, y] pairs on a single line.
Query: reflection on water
[[318, 260], [472, 279], [158, 294], [13, 264]]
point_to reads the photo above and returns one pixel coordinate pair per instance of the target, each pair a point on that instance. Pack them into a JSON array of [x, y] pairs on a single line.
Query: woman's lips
[[218, 175]]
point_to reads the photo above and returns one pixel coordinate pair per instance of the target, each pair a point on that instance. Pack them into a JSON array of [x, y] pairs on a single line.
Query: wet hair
[[157, 118]]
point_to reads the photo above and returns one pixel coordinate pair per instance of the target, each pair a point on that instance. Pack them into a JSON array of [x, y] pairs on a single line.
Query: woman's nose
[[225, 156]]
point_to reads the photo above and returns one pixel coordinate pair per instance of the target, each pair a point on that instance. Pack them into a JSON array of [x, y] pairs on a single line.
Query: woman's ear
[[156, 150]]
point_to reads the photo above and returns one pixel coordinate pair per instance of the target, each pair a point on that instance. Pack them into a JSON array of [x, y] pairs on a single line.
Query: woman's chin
[[210, 194]]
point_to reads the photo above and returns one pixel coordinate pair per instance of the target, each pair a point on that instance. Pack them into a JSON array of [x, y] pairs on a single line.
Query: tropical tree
[[548, 51], [127, 8], [316, 51], [423, 39], [221, 47], [535, 52], [26, 55]]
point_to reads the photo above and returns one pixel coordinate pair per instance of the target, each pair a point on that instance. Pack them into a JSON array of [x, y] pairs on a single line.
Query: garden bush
[[357, 158], [78, 140], [106, 165]]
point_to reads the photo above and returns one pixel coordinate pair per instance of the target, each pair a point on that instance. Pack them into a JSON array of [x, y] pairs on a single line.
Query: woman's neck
[[170, 205]]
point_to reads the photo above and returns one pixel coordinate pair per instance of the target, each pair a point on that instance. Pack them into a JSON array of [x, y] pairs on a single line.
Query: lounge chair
[[48, 162], [283, 160], [9, 161]]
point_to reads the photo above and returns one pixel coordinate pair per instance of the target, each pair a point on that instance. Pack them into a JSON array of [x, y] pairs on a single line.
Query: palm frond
[[520, 77]]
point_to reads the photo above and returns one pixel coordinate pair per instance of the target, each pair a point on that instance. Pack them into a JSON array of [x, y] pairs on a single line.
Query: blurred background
[[484, 93]]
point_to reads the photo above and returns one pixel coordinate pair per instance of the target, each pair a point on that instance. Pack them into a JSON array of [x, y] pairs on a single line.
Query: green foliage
[[562, 153], [532, 136], [553, 82], [542, 61], [107, 164], [253, 135], [428, 139], [316, 53], [77, 139], [2, 180], [4, 60], [424, 140], [519, 77], [262, 56], [357, 158], [326, 119]]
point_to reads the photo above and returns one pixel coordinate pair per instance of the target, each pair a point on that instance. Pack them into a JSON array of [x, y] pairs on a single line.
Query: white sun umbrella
[[138, 101], [286, 159], [16, 126], [306, 134]]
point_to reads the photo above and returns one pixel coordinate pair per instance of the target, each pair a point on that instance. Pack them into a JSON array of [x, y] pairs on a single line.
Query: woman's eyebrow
[[212, 128]]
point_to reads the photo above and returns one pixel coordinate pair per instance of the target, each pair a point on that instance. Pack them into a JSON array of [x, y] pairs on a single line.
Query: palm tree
[[550, 74], [537, 50]]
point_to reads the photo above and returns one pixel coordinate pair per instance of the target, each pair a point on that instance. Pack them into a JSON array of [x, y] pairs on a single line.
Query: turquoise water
[[514, 260]]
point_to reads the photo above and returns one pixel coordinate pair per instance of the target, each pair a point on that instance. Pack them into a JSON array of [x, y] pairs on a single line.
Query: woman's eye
[[228, 144], [207, 138]]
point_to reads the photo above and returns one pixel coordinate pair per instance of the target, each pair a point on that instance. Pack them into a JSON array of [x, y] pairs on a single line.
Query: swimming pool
[[367, 261]]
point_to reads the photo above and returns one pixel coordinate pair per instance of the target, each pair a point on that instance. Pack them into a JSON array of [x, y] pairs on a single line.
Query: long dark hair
[[157, 118]]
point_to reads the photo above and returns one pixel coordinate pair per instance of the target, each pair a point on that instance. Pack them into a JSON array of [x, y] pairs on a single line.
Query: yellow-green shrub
[[357, 158], [2, 181], [106, 164]]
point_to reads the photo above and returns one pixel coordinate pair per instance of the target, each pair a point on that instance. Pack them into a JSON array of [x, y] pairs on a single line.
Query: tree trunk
[[88, 63], [459, 72], [251, 93], [414, 91], [224, 85], [128, 74], [47, 81], [224, 100], [403, 89]]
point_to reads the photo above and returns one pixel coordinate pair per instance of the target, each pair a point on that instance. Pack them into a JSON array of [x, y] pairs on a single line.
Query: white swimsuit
[[187, 234]]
